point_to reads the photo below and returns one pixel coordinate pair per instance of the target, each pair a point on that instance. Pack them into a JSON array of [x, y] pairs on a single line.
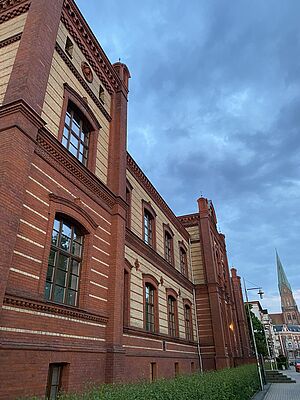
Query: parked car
[[297, 365]]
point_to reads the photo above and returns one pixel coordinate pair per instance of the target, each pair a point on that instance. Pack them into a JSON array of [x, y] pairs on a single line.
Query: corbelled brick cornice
[[10, 40], [12, 8], [52, 309], [156, 197], [89, 45], [189, 220]]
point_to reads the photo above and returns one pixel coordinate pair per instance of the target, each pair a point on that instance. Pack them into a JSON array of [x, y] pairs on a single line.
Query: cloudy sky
[[214, 109]]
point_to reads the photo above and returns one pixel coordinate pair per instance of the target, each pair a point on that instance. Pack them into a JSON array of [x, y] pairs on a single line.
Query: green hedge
[[230, 384]]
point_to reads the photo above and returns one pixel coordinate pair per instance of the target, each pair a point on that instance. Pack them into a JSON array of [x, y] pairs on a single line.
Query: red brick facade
[[92, 342]]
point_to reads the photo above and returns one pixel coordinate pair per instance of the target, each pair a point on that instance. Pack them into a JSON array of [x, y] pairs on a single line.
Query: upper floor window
[[183, 261], [148, 224], [150, 308], [168, 244], [188, 322], [79, 128], [64, 262], [128, 201], [76, 134], [172, 304]]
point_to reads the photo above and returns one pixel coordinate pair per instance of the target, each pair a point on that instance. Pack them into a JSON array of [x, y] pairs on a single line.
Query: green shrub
[[229, 384]]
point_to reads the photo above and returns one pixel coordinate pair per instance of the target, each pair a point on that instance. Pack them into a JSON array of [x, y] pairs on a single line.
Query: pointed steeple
[[289, 307], [282, 279]]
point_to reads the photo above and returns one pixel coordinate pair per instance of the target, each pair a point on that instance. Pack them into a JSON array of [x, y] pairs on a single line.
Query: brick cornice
[[156, 197], [144, 334], [57, 156], [189, 220], [12, 8], [89, 45], [86, 87], [52, 309], [10, 40], [146, 252]]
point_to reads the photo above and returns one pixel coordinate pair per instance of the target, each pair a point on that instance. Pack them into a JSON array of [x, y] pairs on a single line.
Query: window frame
[[128, 201], [168, 236], [80, 103], [151, 280], [148, 209], [172, 294], [126, 294]]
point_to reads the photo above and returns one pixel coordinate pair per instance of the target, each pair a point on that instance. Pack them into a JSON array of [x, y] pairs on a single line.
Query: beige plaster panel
[[139, 194], [7, 58], [197, 263], [52, 108], [194, 232], [12, 27], [136, 296]]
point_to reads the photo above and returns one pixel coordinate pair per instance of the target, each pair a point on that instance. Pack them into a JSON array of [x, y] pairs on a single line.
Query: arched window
[[79, 128], [168, 244], [188, 320], [172, 323], [150, 307], [148, 224], [150, 285], [64, 263], [172, 312], [183, 261]]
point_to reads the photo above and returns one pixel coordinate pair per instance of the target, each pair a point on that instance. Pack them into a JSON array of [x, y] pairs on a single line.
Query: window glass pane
[[55, 375], [80, 157], [71, 298], [74, 141], [53, 393], [63, 262], [48, 290], [49, 276], [75, 267], [76, 248], [58, 294], [56, 224], [77, 235], [66, 229], [61, 277], [73, 282], [65, 242], [52, 257], [55, 238], [81, 147], [65, 141], [68, 118], [73, 150], [76, 126]]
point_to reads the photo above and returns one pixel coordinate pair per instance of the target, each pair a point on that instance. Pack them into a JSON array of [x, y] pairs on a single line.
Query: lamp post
[[260, 292]]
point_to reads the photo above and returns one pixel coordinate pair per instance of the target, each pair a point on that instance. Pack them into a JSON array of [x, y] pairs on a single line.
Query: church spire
[[288, 305], [282, 279]]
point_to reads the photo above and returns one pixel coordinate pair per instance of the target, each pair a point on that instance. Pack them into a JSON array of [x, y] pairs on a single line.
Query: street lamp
[[260, 292]]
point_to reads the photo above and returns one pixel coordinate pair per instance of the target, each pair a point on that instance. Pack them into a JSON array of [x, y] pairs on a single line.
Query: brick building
[[100, 281]]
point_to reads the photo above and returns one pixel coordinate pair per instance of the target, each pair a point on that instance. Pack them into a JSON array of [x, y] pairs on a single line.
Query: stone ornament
[[87, 71]]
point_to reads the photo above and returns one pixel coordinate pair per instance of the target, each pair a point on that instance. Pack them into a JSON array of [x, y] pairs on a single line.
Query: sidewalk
[[285, 391]]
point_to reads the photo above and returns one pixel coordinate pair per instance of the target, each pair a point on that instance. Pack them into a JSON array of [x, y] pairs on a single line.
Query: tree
[[259, 332]]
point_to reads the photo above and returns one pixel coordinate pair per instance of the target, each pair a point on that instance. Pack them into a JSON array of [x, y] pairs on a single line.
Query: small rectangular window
[[153, 371], [101, 94], [192, 366], [69, 47]]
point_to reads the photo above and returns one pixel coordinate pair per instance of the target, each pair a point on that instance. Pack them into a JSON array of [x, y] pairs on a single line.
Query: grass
[[230, 384]]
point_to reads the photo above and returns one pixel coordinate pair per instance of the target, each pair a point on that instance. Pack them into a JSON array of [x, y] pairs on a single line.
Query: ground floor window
[[54, 381], [153, 371]]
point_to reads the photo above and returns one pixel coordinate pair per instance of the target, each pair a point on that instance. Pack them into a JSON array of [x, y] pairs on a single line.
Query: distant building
[[99, 280], [287, 323]]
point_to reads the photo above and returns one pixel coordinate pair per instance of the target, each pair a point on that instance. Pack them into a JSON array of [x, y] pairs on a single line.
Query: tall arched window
[[150, 285], [64, 263], [172, 316], [150, 307], [188, 320], [183, 261], [168, 244], [148, 224]]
